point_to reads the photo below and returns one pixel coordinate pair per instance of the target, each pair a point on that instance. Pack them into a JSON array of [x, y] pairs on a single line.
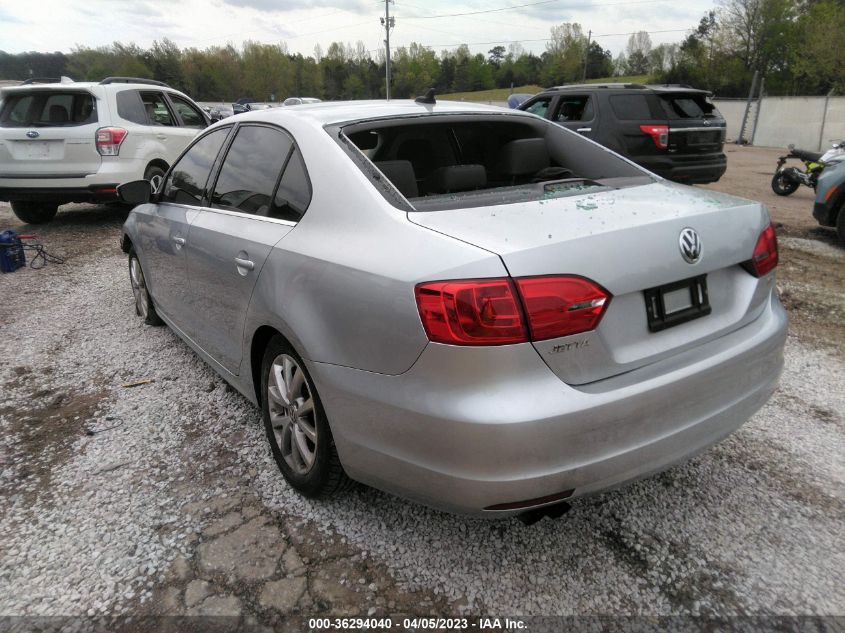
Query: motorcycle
[[787, 179]]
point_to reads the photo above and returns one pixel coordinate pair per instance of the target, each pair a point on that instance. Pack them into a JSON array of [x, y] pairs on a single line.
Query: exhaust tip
[[553, 512]]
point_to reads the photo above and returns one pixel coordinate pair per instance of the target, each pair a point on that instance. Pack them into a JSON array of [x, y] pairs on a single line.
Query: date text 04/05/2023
[[417, 624]]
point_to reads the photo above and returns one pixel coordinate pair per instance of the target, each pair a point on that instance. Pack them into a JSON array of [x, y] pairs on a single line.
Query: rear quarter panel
[[340, 285]]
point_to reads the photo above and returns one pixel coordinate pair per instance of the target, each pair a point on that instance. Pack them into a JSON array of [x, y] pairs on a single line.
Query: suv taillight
[[658, 133], [765, 256], [502, 311], [108, 140]]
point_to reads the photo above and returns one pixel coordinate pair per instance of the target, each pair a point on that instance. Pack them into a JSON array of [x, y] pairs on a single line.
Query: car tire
[[783, 187], [155, 175], [144, 307], [840, 223], [34, 212], [296, 425]]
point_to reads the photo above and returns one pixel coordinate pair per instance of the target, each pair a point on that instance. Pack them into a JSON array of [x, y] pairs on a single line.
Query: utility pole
[[388, 23], [587, 53]]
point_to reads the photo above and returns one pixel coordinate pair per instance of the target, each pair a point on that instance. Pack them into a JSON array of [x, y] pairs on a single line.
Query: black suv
[[672, 130]]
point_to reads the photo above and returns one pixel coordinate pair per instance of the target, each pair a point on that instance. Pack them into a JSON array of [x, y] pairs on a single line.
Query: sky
[[60, 25]]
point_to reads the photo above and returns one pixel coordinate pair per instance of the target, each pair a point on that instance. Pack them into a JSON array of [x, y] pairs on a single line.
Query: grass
[[497, 94], [501, 94]]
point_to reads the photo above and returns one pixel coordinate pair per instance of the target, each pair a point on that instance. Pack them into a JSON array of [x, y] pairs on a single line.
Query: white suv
[[77, 141]]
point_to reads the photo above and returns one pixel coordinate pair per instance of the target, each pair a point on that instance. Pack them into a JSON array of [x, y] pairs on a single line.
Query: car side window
[[187, 181], [156, 108], [131, 107], [540, 106], [631, 107], [574, 108], [294, 193], [190, 116], [251, 170]]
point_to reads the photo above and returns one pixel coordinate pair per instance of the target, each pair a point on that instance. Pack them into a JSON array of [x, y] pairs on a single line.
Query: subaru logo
[[32, 134], [690, 244]]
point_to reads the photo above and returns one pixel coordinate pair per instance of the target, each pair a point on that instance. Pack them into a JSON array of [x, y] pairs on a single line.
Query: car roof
[[76, 85], [629, 86], [335, 112]]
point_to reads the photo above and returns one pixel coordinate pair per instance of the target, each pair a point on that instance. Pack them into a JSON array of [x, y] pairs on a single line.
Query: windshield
[[461, 161]]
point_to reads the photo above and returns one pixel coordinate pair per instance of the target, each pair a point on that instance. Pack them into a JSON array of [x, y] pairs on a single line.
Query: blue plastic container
[[12, 254]]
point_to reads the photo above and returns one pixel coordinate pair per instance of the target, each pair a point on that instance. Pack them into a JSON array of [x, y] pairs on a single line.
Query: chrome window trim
[[713, 128], [252, 216]]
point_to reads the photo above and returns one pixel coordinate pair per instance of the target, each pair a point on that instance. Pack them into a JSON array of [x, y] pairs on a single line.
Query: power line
[[547, 39], [528, 4]]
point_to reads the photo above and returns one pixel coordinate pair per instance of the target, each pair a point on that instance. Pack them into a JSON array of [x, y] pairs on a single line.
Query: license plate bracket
[[675, 303]]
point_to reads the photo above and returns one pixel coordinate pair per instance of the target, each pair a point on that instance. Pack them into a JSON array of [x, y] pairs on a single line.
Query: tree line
[[790, 42]]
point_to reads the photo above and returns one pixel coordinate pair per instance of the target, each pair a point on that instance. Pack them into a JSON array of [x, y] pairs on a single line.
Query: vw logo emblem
[[32, 134], [690, 244]]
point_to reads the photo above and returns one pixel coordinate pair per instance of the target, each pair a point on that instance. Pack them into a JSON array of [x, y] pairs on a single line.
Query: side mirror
[[135, 192]]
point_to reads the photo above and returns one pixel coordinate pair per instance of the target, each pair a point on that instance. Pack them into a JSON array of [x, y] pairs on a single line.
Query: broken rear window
[[459, 161], [687, 106]]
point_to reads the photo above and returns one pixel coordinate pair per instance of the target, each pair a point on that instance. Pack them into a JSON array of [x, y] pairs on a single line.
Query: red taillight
[[560, 306], [488, 311], [658, 133], [765, 256], [108, 140], [471, 312]]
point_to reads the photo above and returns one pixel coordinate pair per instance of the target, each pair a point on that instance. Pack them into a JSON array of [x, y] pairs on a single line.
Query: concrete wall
[[732, 110], [785, 120]]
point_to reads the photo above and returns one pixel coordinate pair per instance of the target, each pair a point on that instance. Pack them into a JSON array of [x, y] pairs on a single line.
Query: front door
[[577, 113], [164, 230]]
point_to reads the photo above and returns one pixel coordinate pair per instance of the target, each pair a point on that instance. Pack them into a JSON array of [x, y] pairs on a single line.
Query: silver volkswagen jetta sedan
[[467, 306]]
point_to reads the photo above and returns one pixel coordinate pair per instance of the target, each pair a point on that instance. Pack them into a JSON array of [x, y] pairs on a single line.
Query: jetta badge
[[32, 134], [690, 244]]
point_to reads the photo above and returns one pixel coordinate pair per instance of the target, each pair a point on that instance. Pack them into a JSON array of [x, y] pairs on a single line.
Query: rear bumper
[[469, 428], [96, 187], [823, 214], [687, 169], [93, 193]]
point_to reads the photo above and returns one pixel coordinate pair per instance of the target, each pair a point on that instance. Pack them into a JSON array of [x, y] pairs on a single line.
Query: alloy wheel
[[292, 413], [139, 288]]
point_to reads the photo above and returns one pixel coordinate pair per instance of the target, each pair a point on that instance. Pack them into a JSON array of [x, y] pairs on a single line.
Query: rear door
[[252, 206], [163, 228], [190, 120], [48, 133]]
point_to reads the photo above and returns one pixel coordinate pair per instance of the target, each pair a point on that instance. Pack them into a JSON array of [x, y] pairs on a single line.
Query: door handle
[[584, 129], [180, 241], [244, 263]]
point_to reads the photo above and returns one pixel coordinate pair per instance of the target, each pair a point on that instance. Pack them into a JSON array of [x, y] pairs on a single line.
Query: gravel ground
[[163, 497]]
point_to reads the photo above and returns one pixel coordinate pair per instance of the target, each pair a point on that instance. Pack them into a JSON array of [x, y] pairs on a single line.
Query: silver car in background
[[467, 306]]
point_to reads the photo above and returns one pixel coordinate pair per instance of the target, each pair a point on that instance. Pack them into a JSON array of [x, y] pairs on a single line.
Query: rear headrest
[[456, 178], [522, 156], [58, 114], [401, 174]]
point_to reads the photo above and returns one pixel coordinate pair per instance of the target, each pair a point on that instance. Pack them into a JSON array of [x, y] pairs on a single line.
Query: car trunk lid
[[627, 241]]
